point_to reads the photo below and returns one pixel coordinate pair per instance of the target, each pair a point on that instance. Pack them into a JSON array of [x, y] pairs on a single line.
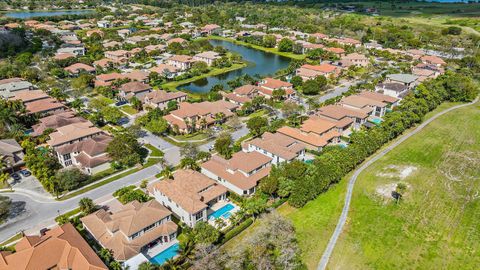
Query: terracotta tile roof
[[137, 75], [433, 60], [63, 56], [10, 80], [72, 132], [112, 229], [274, 83], [277, 144], [246, 89], [29, 95], [161, 68], [9, 146], [335, 50], [60, 248], [55, 121], [181, 58], [378, 97], [76, 68], [308, 138], [173, 40], [135, 87], [237, 98], [235, 169], [338, 112], [317, 125], [361, 101], [190, 189], [161, 96], [43, 105], [323, 68], [92, 146]]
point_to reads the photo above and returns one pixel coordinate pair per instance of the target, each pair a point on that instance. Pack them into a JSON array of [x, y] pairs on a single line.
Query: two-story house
[[189, 195]]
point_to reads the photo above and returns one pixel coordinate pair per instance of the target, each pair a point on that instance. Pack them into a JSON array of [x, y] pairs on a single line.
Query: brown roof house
[[161, 98], [193, 116], [278, 147], [190, 195], [315, 133], [354, 59], [308, 72], [11, 153], [371, 106], [55, 121], [59, 248], [343, 114], [242, 94], [182, 62], [207, 57], [134, 89], [76, 68], [241, 173], [134, 229], [268, 85]]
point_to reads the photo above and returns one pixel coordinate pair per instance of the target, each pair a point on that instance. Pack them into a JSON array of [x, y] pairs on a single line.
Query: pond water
[[261, 63], [31, 14]]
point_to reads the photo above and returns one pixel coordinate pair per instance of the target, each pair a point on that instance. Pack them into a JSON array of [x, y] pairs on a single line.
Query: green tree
[[256, 125], [157, 126], [205, 233], [125, 149], [296, 81], [111, 114], [87, 206], [223, 145], [285, 45], [70, 178], [269, 41], [5, 205]]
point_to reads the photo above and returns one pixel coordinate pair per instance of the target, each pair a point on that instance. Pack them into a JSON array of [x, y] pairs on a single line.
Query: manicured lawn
[[257, 113], [191, 137], [155, 151], [128, 109], [436, 225], [270, 50], [315, 222], [216, 71], [105, 99]]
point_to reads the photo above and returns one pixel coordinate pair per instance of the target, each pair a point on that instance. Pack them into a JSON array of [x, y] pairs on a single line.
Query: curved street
[[351, 183]]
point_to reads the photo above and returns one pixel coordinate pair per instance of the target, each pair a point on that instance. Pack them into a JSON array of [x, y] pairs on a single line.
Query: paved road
[[343, 217], [40, 212]]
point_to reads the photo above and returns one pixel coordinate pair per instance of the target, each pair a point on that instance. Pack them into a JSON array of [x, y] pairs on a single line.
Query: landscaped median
[[261, 48], [216, 71]]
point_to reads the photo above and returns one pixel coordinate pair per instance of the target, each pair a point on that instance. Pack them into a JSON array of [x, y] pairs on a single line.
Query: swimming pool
[[376, 121], [165, 255], [222, 212]]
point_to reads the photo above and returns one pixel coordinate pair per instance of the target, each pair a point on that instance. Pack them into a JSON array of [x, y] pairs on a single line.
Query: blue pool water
[[223, 212], [310, 161], [376, 121], [165, 255]]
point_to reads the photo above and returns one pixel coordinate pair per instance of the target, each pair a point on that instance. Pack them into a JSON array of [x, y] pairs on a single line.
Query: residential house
[[167, 71], [268, 85], [354, 59], [11, 154], [37, 102], [389, 100], [242, 94], [433, 60], [118, 55], [309, 72], [278, 147], [208, 57], [343, 115], [136, 227], [134, 89], [104, 24], [107, 79], [408, 80], [78, 51], [189, 195], [79, 67], [181, 41], [160, 98], [396, 90], [241, 173], [370, 106], [137, 75], [52, 122], [8, 87], [59, 248], [194, 116], [337, 51], [182, 62], [88, 155], [315, 133], [211, 29]]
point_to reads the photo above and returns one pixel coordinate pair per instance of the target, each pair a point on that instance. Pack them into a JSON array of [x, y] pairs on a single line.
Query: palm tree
[[147, 266], [17, 130], [77, 104], [167, 172], [189, 163]]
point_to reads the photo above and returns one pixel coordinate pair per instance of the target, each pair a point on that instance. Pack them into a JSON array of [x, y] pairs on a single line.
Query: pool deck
[[219, 205], [152, 252]]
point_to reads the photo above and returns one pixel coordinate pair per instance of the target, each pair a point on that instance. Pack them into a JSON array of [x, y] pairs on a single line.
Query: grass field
[[415, 8], [315, 222], [128, 110], [436, 225]]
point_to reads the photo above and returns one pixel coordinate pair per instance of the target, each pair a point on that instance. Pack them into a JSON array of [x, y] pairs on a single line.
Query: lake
[[32, 14], [259, 62]]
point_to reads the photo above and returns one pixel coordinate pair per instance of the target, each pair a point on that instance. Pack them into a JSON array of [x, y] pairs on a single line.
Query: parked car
[[120, 103], [15, 176], [25, 173]]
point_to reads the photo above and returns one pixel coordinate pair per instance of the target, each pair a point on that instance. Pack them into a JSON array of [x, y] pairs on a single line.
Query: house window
[[67, 156], [199, 215], [68, 162]]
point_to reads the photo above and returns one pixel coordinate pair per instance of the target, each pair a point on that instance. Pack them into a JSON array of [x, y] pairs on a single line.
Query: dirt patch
[[388, 191], [462, 174], [397, 172]]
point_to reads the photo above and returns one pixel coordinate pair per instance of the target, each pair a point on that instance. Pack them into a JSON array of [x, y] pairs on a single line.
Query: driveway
[[172, 152]]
